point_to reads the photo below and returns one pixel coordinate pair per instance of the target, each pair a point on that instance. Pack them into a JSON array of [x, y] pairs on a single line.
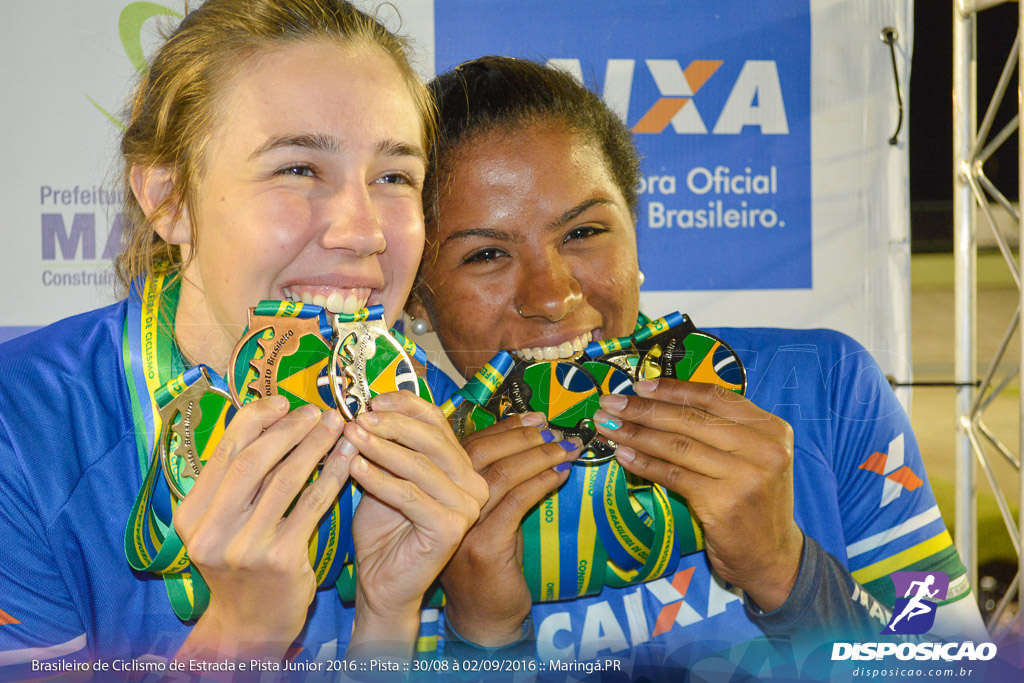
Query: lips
[[570, 348], [334, 299]]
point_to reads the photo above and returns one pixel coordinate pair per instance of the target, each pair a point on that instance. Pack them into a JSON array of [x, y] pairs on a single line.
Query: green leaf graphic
[[129, 26]]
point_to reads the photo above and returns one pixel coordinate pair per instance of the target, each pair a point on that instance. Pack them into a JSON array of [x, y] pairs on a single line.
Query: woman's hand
[[732, 461], [255, 559], [486, 592], [420, 496]]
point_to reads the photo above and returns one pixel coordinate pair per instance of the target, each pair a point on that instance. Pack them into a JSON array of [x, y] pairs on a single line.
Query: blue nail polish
[[547, 435], [563, 467], [610, 424], [569, 444]]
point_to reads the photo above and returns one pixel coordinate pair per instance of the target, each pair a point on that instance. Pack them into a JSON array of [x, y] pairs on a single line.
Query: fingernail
[[346, 448], [605, 420], [550, 435], [308, 410], [562, 467], [370, 418], [572, 444], [336, 461], [613, 401], [360, 465], [278, 402], [647, 386], [385, 399], [625, 454], [331, 419], [533, 420], [359, 433]]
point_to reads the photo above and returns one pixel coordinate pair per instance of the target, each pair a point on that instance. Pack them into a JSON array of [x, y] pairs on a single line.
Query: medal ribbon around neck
[[182, 419], [151, 360], [604, 525], [179, 418]]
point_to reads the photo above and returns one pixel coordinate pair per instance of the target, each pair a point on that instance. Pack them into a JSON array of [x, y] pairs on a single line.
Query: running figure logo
[[914, 613]]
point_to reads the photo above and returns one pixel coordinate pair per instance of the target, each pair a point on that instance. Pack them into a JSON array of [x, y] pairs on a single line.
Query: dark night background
[[931, 115]]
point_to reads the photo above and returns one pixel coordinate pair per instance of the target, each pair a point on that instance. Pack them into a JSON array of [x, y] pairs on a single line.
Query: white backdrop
[[64, 63]]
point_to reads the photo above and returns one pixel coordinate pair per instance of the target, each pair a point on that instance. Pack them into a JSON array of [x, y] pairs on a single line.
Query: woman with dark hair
[[531, 210], [274, 150]]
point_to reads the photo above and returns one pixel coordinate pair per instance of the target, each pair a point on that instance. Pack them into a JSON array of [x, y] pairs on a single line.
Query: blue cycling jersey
[[68, 475]]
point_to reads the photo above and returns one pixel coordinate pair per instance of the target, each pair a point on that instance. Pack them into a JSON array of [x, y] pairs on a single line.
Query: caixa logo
[[755, 97]]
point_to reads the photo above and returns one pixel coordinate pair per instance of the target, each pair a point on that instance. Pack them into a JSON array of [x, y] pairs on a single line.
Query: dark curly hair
[[502, 93]]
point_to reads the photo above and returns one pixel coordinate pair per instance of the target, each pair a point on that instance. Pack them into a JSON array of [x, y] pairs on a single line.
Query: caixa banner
[[770, 194], [718, 98]]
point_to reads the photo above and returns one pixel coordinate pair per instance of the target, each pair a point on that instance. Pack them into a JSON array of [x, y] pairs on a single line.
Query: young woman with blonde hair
[[274, 149]]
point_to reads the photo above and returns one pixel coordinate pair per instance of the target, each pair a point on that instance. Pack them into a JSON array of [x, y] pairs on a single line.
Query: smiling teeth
[[347, 301], [567, 349]]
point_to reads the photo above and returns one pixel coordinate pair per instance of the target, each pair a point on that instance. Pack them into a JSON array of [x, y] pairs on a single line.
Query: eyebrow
[[575, 211], [328, 143], [496, 235], [315, 141], [394, 148], [503, 236]]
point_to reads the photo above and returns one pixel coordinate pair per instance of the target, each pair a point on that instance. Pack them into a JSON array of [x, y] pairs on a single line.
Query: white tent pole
[[964, 282]]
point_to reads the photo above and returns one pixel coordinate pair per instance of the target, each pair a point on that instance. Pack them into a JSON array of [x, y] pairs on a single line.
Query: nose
[[548, 289], [354, 223]]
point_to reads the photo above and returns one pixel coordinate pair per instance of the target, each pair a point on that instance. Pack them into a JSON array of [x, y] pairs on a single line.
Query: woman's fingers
[[675, 448], [700, 404], [692, 485], [247, 471], [412, 465], [421, 509], [509, 473], [512, 435], [409, 421], [411, 405], [506, 514], [246, 426], [691, 413], [287, 479], [320, 495]]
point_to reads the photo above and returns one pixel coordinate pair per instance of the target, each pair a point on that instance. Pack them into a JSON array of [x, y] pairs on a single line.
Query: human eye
[[484, 255], [302, 170], [395, 178], [583, 232]]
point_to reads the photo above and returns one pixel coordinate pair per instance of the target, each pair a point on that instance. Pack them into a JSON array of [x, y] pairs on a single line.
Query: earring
[[419, 326], [641, 277]]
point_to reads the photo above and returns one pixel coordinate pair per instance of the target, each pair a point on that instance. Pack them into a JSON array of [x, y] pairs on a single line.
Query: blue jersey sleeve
[[889, 515], [38, 619]]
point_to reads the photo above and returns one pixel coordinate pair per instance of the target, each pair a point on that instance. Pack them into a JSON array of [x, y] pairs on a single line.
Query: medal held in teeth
[[370, 359], [568, 390], [602, 526], [286, 350], [333, 361]]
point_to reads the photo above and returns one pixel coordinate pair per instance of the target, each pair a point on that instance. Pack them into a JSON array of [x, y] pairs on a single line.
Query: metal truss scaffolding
[[974, 197]]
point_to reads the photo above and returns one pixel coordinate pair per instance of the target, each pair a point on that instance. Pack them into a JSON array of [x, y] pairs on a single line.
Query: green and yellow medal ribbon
[[151, 359], [604, 526]]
